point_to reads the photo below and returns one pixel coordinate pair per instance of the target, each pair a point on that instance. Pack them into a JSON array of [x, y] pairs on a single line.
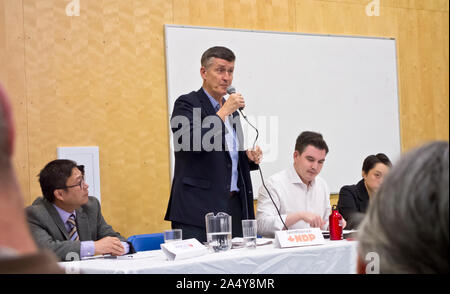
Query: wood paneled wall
[[99, 79]]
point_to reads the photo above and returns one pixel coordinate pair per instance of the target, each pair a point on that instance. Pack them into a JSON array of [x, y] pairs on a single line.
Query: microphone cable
[[260, 172]]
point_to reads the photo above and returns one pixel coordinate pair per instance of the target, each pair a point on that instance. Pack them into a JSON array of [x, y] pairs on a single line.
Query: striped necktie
[[73, 234]]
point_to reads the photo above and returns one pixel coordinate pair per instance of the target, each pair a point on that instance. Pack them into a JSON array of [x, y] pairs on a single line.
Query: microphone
[[232, 90]]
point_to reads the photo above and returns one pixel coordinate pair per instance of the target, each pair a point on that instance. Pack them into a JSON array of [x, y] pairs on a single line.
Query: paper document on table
[[239, 242], [100, 256], [345, 233], [140, 255]]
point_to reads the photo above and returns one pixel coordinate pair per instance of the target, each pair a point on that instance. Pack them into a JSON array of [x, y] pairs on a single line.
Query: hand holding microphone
[[240, 99], [234, 102]]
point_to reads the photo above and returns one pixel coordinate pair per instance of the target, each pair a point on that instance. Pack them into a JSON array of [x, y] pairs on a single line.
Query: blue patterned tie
[[73, 234]]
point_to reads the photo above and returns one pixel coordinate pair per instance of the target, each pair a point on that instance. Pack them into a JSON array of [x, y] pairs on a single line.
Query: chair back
[[145, 242]]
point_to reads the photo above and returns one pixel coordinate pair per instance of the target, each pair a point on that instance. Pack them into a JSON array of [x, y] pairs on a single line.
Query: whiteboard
[[343, 87]]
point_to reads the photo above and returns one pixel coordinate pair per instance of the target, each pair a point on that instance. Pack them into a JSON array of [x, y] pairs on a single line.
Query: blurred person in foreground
[[18, 252], [406, 228], [354, 199]]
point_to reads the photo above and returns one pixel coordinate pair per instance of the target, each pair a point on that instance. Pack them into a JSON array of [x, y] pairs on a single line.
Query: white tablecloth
[[331, 258]]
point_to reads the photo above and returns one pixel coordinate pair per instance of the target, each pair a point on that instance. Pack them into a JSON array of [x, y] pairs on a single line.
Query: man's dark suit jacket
[[352, 204], [50, 232], [201, 182]]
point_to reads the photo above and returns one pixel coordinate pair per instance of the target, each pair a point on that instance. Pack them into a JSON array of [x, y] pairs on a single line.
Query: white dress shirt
[[290, 195]]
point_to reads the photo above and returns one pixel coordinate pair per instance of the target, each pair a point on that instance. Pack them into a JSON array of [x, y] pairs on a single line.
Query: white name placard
[[183, 249], [296, 238]]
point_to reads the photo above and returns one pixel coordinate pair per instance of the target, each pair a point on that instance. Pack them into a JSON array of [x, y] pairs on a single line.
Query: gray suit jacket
[[50, 232]]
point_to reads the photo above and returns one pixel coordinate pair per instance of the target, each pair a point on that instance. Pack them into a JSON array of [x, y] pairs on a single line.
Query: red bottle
[[335, 224]]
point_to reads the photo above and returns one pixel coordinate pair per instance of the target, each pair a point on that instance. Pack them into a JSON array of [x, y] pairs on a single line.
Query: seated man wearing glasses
[[67, 220]]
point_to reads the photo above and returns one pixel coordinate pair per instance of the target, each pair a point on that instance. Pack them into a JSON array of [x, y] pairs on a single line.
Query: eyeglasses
[[79, 184]]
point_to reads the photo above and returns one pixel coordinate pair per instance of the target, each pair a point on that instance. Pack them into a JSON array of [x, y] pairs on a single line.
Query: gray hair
[[216, 52], [407, 222]]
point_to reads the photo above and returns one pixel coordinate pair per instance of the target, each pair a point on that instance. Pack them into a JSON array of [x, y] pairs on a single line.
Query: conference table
[[333, 257]]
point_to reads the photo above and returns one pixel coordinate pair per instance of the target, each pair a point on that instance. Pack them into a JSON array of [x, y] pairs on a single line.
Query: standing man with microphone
[[211, 180]]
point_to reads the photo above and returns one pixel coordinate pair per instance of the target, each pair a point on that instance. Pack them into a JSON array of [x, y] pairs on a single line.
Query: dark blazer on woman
[[352, 204]]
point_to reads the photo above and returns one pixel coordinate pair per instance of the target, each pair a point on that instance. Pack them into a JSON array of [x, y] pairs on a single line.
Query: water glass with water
[[173, 235], [249, 229]]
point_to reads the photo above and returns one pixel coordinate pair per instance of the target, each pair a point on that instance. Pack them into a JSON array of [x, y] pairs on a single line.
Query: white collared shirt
[[290, 195]]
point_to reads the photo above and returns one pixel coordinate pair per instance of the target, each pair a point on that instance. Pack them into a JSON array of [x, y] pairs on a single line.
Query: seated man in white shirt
[[301, 196]]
